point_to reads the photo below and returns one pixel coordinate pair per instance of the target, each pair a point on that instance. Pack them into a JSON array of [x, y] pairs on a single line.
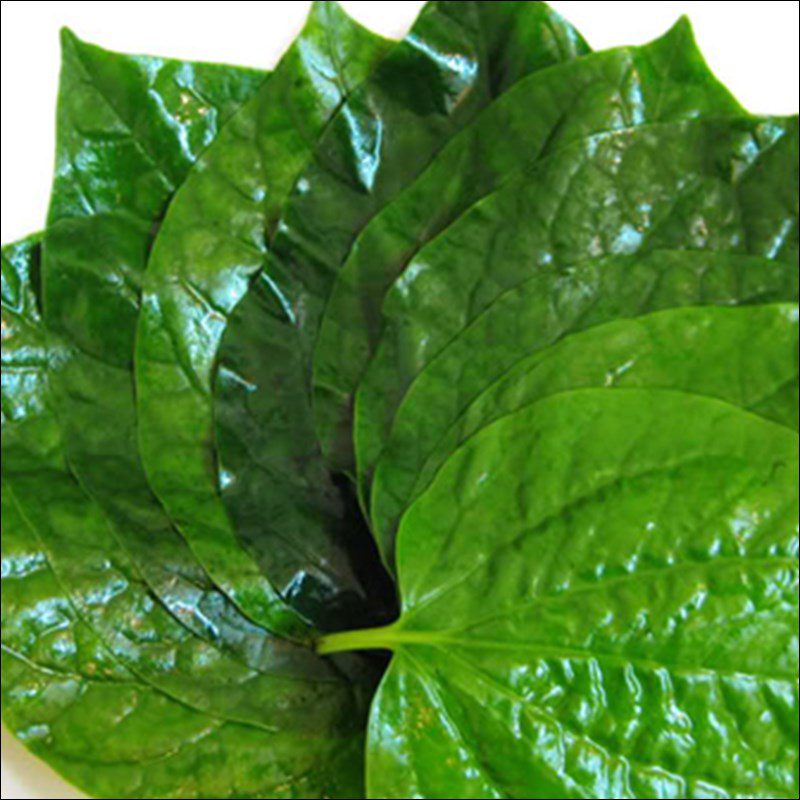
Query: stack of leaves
[[477, 347]]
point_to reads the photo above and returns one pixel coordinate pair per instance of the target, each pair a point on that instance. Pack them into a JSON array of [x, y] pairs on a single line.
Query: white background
[[752, 47]]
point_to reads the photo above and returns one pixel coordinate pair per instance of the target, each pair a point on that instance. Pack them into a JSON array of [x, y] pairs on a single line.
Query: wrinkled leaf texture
[[527, 312], [298, 527], [89, 649], [102, 245], [599, 600], [211, 242], [612, 90], [699, 185]]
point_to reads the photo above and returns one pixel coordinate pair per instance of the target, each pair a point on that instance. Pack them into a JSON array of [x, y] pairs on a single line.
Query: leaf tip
[[68, 38], [683, 27]]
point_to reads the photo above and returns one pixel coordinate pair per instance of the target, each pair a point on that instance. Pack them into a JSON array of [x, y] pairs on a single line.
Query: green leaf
[[304, 527], [746, 356], [69, 700], [456, 59], [713, 185], [490, 358], [600, 599], [528, 313], [664, 81], [211, 243], [128, 130], [83, 634]]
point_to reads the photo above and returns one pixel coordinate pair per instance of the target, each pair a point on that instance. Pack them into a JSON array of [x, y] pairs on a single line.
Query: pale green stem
[[367, 639]]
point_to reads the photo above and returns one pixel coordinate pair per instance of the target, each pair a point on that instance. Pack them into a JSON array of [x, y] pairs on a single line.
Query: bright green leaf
[[600, 599]]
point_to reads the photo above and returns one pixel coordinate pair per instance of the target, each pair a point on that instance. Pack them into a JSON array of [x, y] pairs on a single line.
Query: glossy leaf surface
[[700, 185], [125, 124], [67, 697], [212, 242], [612, 90], [563, 287], [129, 129], [520, 327], [301, 523], [746, 356], [91, 636], [600, 599]]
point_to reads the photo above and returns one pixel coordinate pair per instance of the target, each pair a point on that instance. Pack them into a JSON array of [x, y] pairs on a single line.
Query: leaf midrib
[[135, 137], [398, 640]]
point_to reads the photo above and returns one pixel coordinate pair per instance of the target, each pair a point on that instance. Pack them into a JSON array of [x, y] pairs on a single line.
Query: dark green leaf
[[721, 186], [564, 287], [303, 526], [211, 243], [89, 650], [663, 81], [129, 129]]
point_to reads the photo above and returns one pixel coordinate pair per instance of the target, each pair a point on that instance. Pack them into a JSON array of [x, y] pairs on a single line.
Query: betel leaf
[[564, 286], [287, 509], [129, 129], [745, 355], [80, 627], [456, 59], [211, 242], [69, 700], [616, 89], [599, 600], [520, 325], [285, 506], [716, 185]]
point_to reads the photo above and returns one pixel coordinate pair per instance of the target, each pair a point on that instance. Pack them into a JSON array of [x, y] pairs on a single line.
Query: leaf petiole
[[384, 638]]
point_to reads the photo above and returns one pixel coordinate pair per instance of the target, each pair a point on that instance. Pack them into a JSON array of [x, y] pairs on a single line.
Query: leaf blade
[[560, 673]]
